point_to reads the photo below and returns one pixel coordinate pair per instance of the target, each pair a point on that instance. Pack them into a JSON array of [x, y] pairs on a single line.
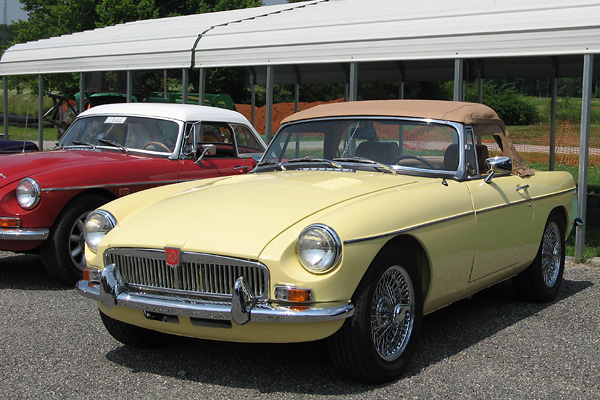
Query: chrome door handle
[[244, 167], [523, 187]]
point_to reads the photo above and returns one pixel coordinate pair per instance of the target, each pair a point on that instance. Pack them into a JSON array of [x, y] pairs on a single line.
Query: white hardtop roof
[[316, 39], [181, 112]]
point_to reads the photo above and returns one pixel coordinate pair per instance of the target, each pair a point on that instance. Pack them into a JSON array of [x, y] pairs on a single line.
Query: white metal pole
[[5, 107], [41, 111], [586, 107], [269, 105], [353, 81], [459, 94], [201, 86]]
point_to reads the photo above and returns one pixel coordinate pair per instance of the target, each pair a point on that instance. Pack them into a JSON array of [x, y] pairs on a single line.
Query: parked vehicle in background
[[108, 152], [17, 146], [364, 217]]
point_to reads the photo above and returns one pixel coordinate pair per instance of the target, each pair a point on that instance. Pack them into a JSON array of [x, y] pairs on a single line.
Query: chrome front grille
[[196, 273]]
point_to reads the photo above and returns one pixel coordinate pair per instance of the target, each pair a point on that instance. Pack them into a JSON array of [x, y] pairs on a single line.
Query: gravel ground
[[53, 346]]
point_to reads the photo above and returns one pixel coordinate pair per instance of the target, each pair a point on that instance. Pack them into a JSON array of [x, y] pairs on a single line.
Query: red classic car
[[110, 151]]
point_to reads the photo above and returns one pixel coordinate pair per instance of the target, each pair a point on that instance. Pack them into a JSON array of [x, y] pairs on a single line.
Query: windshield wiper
[[115, 144], [82, 143], [315, 159], [269, 162], [363, 160]]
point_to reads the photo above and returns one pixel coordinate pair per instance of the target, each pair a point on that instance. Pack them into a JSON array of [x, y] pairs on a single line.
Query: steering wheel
[[411, 157], [159, 144]]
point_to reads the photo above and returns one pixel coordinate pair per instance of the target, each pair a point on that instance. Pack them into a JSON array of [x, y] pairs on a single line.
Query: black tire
[[359, 349], [541, 281], [132, 335], [63, 252]]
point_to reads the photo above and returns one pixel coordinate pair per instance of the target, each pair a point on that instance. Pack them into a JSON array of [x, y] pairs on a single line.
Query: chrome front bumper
[[24, 234], [112, 291]]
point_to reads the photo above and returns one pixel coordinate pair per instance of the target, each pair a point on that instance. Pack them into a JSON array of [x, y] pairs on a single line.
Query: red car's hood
[[17, 166]]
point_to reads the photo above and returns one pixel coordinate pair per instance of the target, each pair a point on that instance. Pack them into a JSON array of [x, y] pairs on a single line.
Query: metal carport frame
[[346, 41]]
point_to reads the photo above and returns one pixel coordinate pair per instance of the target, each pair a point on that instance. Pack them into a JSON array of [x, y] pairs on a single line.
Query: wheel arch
[[419, 254], [108, 195], [561, 213]]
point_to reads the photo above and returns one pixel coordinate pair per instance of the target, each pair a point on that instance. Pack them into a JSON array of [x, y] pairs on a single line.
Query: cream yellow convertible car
[[360, 218]]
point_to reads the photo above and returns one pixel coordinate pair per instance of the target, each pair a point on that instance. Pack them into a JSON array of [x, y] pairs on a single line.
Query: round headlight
[[97, 224], [28, 193], [319, 248]]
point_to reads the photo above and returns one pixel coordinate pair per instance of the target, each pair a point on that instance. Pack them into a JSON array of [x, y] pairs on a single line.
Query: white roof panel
[[318, 37], [347, 30], [148, 44]]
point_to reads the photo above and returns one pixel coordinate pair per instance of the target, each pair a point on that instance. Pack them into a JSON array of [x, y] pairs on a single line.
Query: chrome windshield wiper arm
[[363, 160], [269, 162], [315, 159], [82, 143], [115, 144]]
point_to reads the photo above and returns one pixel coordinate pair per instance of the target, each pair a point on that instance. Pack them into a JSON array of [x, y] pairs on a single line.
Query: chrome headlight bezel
[[97, 224], [28, 193], [319, 248]]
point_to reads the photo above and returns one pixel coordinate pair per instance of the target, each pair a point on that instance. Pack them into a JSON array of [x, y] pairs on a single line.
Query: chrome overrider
[[111, 290]]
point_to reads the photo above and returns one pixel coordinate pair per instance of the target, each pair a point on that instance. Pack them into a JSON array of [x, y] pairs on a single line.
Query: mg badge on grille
[[172, 257]]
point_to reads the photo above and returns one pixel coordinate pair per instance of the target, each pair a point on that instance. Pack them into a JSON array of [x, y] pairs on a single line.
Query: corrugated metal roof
[[148, 44], [317, 39]]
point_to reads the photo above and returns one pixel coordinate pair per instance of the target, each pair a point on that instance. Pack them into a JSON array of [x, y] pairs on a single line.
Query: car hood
[[236, 216], [17, 166]]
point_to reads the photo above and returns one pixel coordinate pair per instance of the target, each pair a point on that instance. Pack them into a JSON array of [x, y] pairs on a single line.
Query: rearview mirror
[[203, 150], [495, 165]]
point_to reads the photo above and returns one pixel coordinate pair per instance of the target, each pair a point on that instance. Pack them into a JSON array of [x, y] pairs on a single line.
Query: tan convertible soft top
[[482, 118]]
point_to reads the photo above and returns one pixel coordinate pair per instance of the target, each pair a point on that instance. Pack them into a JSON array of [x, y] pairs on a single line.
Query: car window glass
[[246, 141], [132, 132], [218, 133], [406, 144]]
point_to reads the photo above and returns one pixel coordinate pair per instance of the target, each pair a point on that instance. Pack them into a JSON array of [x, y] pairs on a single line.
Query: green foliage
[[510, 105], [7, 33]]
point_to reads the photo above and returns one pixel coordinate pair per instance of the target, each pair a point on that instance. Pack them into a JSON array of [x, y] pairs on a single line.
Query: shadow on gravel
[[452, 329], [25, 272], [305, 368]]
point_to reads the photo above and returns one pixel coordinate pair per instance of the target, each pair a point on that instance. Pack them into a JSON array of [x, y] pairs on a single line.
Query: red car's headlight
[[28, 193]]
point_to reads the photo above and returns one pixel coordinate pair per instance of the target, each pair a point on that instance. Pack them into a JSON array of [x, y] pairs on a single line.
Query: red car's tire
[[63, 252]]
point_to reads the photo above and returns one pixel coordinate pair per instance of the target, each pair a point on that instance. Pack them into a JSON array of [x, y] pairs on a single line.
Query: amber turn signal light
[[10, 222], [293, 294]]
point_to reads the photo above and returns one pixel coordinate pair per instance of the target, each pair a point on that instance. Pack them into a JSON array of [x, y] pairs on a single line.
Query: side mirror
[[497, 165], [205, 149]]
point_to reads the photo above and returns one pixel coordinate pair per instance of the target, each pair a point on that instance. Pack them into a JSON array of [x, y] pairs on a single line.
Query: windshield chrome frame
[[459, 174]]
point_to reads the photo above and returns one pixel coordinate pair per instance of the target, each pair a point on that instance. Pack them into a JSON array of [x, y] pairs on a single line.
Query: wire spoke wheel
[[392, 313], [377, 342], [542, 279], [551, 254]]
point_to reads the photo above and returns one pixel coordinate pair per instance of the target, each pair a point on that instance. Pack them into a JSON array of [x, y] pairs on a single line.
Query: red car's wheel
[[63, 253]]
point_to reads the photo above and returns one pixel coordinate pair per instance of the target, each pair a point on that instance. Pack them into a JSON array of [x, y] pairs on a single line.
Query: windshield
[[123, 132], [399, 145]]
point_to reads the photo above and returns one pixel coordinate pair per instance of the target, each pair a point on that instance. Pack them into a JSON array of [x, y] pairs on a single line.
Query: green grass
[[31, 133]]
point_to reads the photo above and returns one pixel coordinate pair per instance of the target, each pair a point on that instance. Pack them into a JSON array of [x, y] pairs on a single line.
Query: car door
[[222, 157], [503, 224]]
